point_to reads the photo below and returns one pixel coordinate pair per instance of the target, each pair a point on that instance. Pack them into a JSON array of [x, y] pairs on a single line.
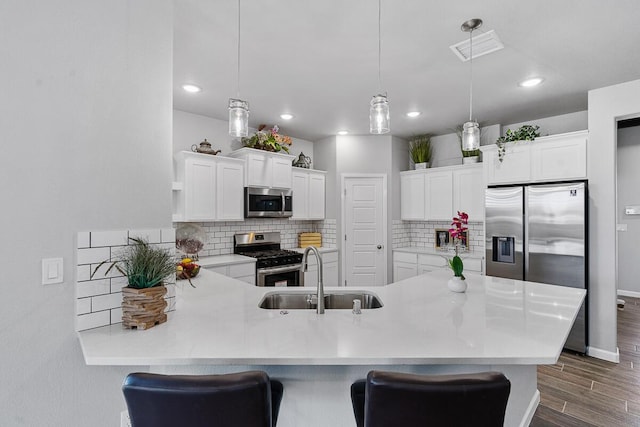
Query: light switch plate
[[52, 270]]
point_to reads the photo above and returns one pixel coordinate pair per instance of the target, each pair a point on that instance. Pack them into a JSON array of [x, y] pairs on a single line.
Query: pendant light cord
[[471, 75], [379, 46], [238, 71]]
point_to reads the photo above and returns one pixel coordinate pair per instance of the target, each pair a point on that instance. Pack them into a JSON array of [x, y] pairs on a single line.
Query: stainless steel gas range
[[274, 266]]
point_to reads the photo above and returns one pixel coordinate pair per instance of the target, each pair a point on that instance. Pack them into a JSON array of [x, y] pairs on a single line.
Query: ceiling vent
[[482, 45]]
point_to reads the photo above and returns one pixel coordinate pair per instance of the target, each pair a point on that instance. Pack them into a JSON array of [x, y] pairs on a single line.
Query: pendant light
[[379, 106], [238, 109], [471, 130]]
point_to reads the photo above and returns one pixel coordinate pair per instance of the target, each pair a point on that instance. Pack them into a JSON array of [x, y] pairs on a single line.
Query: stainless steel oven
[[267, 203], [287, 275]]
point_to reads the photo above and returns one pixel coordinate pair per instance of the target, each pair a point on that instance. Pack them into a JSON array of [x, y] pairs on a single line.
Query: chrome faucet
[[320, 307]]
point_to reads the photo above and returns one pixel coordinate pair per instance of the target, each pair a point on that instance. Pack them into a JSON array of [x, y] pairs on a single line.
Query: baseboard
[[531, 409], [609, 356], [631, 294]]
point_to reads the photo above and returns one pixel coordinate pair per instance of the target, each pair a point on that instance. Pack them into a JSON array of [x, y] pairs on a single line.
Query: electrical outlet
[[125, 421]]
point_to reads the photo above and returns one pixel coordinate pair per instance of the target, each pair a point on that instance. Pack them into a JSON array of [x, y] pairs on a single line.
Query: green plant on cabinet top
[[524, 133], [420, 149]]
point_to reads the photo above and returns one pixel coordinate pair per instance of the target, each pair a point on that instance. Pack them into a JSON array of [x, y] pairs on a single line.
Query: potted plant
[[269, 140], [146, 267], [468, 156], [524, 133], [458, 235], [420, 151]]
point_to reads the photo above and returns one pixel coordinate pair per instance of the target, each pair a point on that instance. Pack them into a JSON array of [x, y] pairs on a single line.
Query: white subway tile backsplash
[[104, 302], [150, 235], [83, 305], [99, 300], [83, 272], [92, 255], [93, 288], [93, 320], [83, 240], [116, 315], [108, 238]]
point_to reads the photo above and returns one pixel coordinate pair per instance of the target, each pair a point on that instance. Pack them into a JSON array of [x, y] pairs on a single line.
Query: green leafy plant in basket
[[144, 265], [524, 133], [420, 149]]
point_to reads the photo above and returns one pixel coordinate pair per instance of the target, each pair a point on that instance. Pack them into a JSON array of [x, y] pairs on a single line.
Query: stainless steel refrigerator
[[539, 233]]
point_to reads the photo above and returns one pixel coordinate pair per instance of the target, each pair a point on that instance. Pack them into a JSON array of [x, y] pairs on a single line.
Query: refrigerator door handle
[[525, 234]]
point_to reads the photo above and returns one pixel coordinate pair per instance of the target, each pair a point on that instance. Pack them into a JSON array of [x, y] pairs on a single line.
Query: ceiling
[[319, 60]]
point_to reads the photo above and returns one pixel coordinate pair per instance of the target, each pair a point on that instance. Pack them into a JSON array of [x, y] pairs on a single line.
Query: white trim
[[385, 228], [632, 294], [604, 354], [531, 409]]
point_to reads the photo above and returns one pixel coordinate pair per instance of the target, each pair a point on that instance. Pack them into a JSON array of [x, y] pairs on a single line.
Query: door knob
[[379, 246]]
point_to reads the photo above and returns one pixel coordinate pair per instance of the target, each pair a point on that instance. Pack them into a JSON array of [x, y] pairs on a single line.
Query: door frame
[[344, 177]]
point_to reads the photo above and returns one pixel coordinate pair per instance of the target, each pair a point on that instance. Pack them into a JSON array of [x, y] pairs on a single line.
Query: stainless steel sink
[[308, 301]]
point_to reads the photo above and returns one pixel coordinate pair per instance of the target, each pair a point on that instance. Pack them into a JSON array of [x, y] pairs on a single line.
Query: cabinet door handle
[[379, 246]]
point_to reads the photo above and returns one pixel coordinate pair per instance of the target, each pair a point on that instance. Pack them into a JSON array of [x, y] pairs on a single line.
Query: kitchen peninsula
[[498, 324]]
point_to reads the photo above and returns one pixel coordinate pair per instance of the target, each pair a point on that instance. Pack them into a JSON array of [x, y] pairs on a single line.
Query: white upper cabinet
[[209, 188], [437, 194], [468, 192], [265, 169], [550, 158], [412, 193], [308, 194]]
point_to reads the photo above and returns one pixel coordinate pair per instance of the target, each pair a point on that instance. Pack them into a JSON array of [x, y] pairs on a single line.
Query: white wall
[[189, 129], [556, 124], [628, 177], [606, 106], [85, 125]]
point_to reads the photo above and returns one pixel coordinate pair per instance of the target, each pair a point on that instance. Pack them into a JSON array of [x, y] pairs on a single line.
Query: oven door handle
[[275, 270]]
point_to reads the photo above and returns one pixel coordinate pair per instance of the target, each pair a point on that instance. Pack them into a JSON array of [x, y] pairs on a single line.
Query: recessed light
[[191, 88], [343, 132], [286, 116], [413, 113], [531, 82]]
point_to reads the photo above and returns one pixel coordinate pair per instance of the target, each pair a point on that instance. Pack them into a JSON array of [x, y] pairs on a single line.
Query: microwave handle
[[282, 195]]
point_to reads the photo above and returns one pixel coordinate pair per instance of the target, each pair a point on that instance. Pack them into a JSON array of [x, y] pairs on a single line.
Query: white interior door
[[364, 228]]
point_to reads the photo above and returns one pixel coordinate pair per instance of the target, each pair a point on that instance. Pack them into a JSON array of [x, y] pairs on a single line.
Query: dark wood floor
[[583, 391]]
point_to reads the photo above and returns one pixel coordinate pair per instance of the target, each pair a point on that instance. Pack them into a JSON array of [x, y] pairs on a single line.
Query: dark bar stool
[[387, 399], [248, 399]]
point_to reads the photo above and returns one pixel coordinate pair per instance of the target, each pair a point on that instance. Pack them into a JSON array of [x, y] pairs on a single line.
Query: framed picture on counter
[[443, 238]]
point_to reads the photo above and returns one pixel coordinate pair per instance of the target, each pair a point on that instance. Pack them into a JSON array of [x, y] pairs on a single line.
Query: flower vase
[[457, 284]]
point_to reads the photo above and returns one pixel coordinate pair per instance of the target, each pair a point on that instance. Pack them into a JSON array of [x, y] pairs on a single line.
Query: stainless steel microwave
[[267, 203]]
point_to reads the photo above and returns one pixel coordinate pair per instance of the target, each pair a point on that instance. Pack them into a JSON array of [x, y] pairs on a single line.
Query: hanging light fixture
[[471, 130], [238, 109], [379, 106]]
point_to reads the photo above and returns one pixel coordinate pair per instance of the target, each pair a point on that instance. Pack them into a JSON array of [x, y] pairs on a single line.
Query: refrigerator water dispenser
[[504, 249]]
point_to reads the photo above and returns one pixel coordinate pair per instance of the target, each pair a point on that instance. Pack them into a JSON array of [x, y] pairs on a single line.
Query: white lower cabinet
[[245, 272], [410, 264], [329, 269]]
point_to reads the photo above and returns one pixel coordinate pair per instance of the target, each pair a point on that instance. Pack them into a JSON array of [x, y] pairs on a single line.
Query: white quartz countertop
[[219, 323], [434, 251], [228, 259]]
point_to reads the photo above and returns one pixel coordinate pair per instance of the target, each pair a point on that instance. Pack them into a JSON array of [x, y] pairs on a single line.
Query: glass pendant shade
[[238, 117], [379, 115], [470, 136]]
